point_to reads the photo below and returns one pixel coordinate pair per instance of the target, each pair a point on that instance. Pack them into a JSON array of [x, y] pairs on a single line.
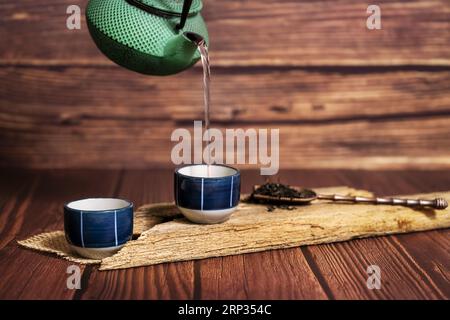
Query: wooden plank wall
[[341, 95]]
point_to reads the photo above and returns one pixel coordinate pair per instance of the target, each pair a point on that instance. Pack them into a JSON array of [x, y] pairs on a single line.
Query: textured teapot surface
[[142, 35]]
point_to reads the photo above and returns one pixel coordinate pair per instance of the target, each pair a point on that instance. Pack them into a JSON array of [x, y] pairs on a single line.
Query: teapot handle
[[186, 7]]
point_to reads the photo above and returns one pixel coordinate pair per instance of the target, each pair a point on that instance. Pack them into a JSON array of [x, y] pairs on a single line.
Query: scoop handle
[[438, 203]]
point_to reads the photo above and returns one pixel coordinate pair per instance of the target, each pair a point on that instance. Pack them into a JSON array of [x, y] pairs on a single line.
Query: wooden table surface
[[413, 266]]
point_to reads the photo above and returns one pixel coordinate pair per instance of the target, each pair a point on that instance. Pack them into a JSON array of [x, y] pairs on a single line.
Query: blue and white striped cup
[[207, 193], [98, 227]]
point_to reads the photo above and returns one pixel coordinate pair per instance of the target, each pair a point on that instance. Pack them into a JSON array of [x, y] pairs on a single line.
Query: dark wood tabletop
[[413, 266]]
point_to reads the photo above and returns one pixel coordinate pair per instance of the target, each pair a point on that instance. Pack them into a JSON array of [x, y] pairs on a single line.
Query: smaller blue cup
[[207, 193], [96, 228]]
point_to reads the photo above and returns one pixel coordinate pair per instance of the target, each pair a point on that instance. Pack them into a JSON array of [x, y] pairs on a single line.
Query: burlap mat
[[145, 217]]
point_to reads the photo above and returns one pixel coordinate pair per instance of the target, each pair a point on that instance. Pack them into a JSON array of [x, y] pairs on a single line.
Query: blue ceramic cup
[[98, 227], [207, 193]]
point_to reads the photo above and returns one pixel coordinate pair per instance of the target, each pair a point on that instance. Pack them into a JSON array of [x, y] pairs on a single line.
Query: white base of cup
[[96, 253], [207, 216]]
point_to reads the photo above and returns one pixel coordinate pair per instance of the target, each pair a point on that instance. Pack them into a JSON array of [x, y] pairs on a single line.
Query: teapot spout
[[194, 37], [182, 48]]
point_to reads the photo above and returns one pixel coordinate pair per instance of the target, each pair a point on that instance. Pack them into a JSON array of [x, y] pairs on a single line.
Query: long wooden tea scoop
[[310, 195]]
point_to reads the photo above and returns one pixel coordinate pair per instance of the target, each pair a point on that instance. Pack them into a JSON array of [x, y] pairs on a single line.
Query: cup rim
[[237, 171], [129, 205]]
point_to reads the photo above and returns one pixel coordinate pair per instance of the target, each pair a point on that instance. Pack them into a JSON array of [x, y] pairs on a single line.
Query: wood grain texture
[[430, 252], [15, 196], [252, 229], [284, 274], [344, 268], [339, 268], [267, 32], [102, 141], [84, 118], [165, 282], [413, 265], [364, 99], [27, 274], [345, 97], [72, 95]]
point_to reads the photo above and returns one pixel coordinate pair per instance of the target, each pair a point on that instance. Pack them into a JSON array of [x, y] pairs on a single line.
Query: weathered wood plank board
[[267, 32], [431, 251], [49, 117], [284, 274], [273, 32], [71, 95], [347, 262], [114, 143], [253, 229], [15, 195], [162, 282]]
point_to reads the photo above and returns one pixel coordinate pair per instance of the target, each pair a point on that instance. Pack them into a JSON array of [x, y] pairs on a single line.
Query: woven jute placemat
[[145, 218]]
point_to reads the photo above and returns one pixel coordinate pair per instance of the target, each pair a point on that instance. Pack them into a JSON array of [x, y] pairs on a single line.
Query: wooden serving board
[[253, 228]]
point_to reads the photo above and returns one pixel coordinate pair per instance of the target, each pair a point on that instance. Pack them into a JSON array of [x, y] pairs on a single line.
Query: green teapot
[[155, 37]]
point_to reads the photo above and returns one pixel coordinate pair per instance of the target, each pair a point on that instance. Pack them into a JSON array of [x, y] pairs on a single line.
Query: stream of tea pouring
[[203, 49]]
